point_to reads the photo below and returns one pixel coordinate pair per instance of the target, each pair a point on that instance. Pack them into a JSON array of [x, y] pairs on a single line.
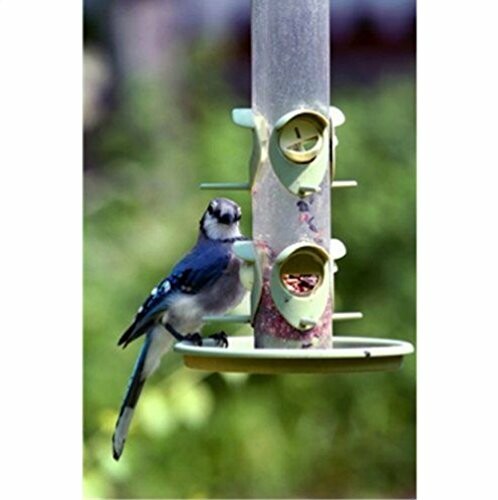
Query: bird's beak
[[227, 219]]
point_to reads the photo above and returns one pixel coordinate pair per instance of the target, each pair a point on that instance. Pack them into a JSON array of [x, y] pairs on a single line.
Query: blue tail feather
[[133, 391]]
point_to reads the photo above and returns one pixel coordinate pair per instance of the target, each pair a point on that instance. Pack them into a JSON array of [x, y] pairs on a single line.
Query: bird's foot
[[220, 338], [195, 338]]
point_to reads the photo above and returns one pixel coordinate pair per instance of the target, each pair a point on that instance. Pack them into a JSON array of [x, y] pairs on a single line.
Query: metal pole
[[291, 73]]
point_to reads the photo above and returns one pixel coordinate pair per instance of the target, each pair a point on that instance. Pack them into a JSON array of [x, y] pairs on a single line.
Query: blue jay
[[206, 281]]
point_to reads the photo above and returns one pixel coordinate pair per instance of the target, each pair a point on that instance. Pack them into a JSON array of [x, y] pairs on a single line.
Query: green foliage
[[201, 435]]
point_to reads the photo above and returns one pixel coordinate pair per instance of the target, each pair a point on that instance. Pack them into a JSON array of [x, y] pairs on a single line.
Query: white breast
[[185, 314]]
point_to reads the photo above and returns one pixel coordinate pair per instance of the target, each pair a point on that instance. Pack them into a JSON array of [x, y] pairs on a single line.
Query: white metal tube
[[290, 70]]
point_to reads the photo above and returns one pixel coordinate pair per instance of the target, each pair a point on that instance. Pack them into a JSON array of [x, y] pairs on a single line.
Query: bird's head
[[221, 219]]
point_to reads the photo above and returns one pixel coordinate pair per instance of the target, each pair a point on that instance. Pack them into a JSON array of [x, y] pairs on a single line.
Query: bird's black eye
[[210, 209]]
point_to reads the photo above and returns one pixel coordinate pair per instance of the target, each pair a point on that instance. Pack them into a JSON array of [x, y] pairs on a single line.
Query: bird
[[205, 282]]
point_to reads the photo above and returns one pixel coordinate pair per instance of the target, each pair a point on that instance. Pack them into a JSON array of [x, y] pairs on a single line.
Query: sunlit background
[[161, 77]]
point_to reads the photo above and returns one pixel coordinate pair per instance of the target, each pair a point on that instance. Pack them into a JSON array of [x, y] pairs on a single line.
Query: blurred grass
[[216, 436]]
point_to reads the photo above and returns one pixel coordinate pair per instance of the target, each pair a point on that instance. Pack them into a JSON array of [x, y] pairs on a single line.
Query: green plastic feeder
[[288, 268]]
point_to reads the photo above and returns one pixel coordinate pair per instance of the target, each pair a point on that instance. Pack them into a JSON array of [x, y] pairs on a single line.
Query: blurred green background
[[160, 80]]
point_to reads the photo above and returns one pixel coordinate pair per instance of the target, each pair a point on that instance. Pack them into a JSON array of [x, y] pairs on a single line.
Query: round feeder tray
[[349, 354]]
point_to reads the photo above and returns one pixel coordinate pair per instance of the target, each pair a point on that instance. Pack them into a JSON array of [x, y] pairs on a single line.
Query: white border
[[457, 250], [40, 197]]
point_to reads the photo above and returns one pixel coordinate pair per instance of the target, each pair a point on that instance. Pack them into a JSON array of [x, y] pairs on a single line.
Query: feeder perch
[[288, 268]]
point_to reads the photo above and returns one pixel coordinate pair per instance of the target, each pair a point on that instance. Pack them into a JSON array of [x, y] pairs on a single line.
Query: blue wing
[[197, 271], [200, 268]]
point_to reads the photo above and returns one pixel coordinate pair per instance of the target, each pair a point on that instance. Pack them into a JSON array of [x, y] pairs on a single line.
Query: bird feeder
[[289, 265]]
